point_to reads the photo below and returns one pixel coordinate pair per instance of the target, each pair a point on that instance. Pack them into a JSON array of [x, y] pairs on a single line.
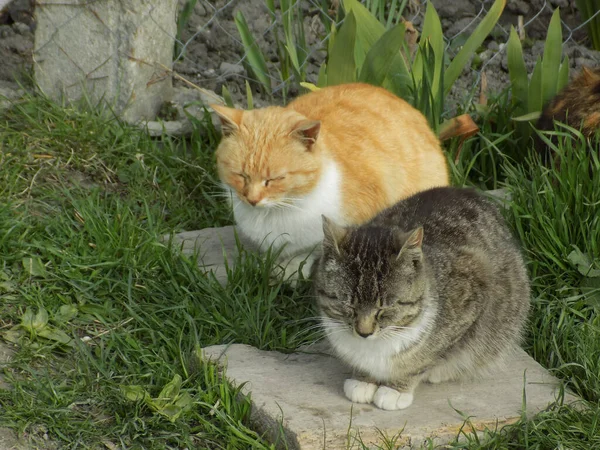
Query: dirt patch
[[213, 55]]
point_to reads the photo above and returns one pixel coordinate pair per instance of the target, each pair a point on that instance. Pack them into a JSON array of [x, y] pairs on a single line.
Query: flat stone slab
[[304, 393], [215, 247], [218, 246]]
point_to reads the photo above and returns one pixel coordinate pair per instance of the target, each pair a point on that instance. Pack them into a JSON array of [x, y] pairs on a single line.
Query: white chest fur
[[374, 355], [299, 226]]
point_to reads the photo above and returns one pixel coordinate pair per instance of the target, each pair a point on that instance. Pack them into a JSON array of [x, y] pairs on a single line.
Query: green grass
[[84, 202]]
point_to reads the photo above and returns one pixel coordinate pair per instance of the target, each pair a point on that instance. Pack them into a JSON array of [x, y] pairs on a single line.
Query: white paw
[[359, 391], [390, 399]]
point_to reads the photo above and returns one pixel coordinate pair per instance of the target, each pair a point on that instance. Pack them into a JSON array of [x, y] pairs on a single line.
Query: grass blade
[[253, 53]]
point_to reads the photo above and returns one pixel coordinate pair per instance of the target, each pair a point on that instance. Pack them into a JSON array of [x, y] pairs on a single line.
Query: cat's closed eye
[[383, 314], [270, 180]]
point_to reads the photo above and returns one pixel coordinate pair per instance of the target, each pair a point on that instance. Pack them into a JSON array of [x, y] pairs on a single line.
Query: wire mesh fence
[[202, 41], [211, 51]]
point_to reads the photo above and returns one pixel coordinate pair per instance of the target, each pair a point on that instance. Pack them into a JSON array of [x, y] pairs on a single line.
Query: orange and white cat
[[346, 152]]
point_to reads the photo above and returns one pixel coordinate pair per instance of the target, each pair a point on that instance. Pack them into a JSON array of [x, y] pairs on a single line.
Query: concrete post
[[106, 50]]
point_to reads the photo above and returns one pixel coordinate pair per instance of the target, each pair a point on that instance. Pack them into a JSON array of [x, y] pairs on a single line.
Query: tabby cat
[[577, 105], [432, 289], [346, 151]]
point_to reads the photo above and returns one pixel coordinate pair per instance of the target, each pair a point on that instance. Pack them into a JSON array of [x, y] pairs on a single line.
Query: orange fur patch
[[592, 122], [383, 147]]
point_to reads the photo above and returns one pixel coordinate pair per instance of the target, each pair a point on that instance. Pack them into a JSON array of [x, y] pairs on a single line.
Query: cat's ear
[[307, 131], [333, 234], [590, 77], [231, 118], [412, 245]]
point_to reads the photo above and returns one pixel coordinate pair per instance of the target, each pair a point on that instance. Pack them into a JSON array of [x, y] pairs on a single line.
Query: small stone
[[209, 73], [171, 128], [21, 28], [231, 69], [456, 9], [520, 7], [6, 31], [493, 46]]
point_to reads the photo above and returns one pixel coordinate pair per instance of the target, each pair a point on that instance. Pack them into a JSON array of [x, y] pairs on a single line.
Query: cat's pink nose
[[253, 202]]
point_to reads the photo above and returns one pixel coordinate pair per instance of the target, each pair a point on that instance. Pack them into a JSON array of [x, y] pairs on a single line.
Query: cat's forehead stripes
[[369, 265]]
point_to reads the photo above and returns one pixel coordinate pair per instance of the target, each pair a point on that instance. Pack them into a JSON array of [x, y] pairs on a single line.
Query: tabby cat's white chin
[[295, 223], [374, 355]]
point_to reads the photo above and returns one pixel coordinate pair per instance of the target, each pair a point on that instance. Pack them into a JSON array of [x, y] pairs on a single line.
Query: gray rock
[[214, 248], [110, 51], [188, 103], [303, 393], [456, 9], [520, 7], [9, 92], [170, 127], [21, 28], [231, 69]]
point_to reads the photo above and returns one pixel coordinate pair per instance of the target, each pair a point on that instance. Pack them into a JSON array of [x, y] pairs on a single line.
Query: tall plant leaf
[[432, 34], [517, 72], [381, 58], [341, 66], [535, 88], [563, 74], [475, 40], [254, 55], [552, 55], [368, 30]]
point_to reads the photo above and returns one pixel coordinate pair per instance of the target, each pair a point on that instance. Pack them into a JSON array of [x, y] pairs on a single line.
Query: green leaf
[[517, 72], [226, 96], [40, 320], [55, 334], [380, 60], [34, 267], [583, 263], [8, 286], [322, 78], [528, 117], [368, 29], [563, 74], [170, 390], [249, 97], [341, 67], [66, 313], [14, 335], [134, 393], [431, 34], [551, 60], [475, 40], [174, 410], [590, 288], [253, 53], [534, 101], [27, 320]]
